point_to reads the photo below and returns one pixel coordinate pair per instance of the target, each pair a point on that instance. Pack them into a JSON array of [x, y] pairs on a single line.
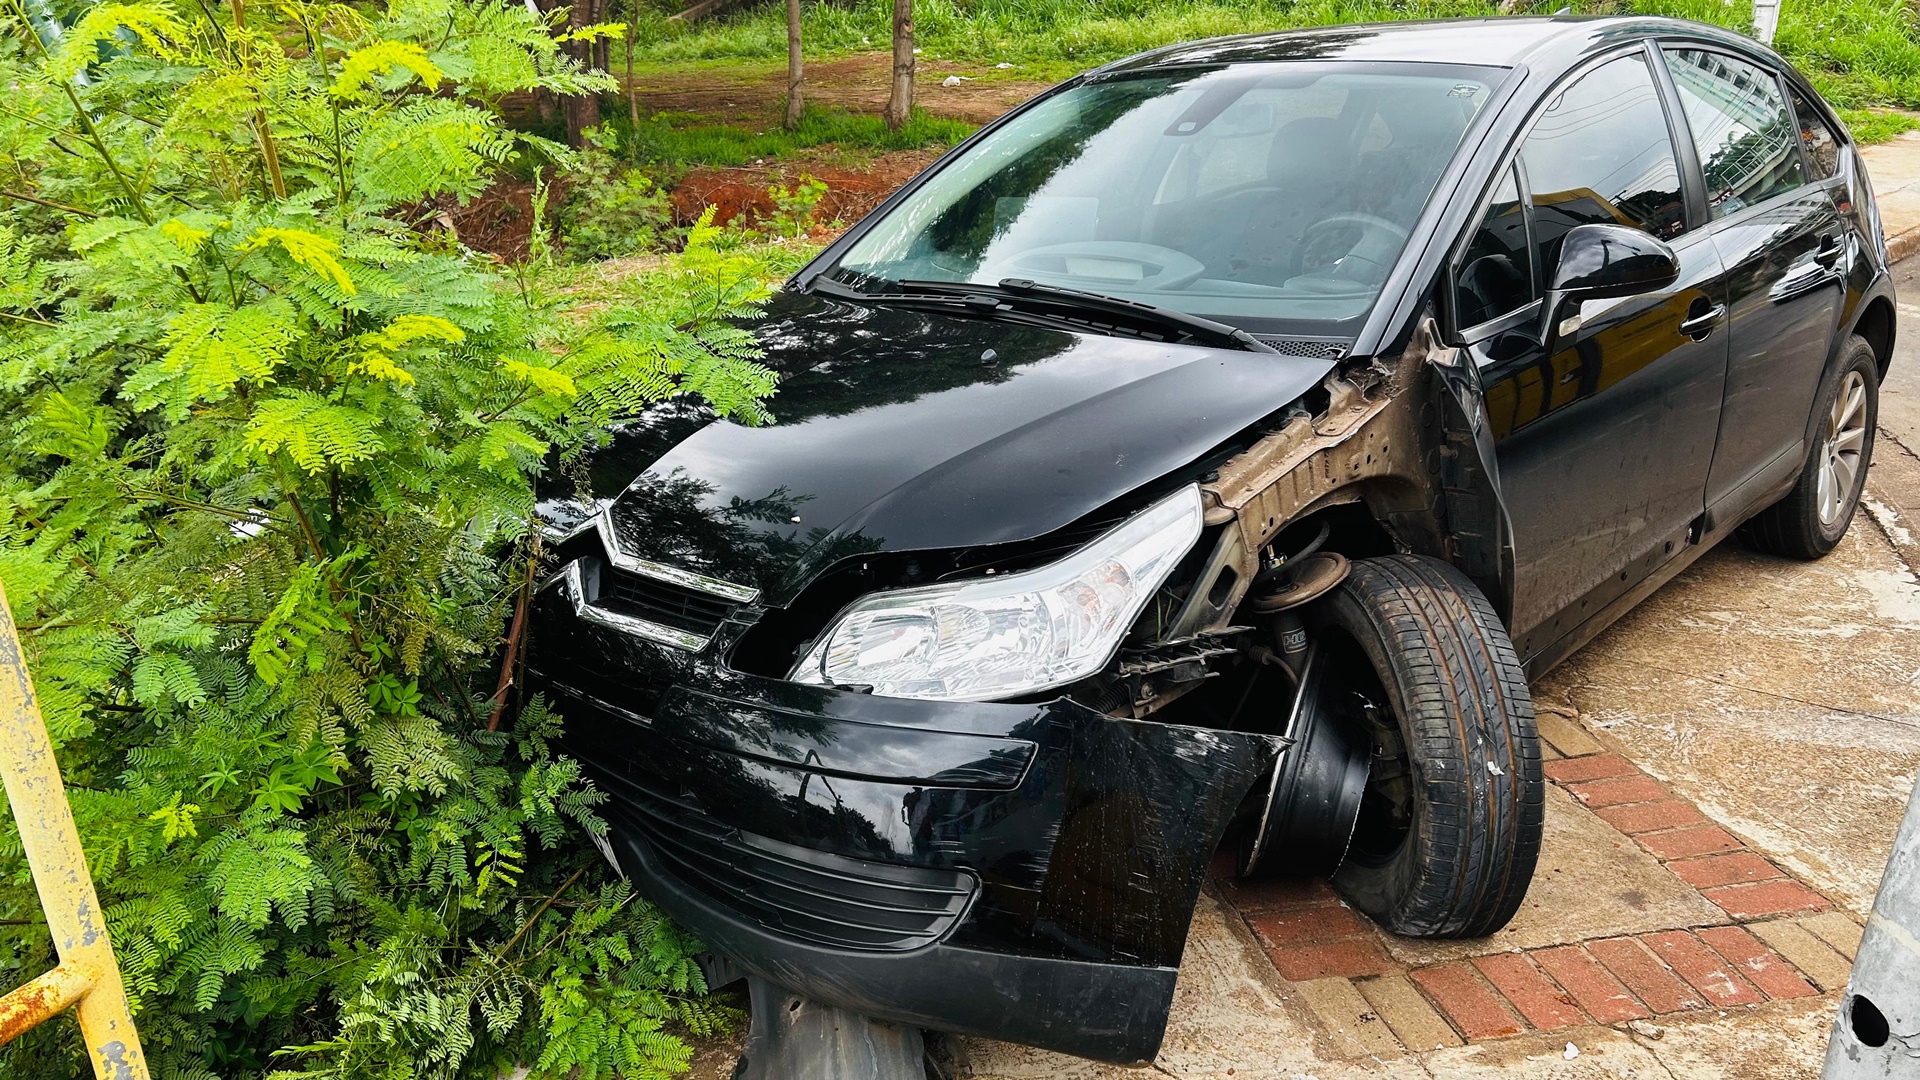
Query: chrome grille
[[663, 602]]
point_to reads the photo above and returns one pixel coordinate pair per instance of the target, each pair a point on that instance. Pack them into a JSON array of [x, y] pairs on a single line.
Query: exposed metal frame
[[87, 978]]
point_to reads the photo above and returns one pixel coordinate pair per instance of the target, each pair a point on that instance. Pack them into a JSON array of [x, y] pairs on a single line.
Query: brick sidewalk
[[1778, 939]]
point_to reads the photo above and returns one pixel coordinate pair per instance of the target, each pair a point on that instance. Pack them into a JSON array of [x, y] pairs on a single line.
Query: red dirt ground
[[851, 192]]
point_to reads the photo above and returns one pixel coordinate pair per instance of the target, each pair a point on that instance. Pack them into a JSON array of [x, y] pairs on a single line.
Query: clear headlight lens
[[1012, 634]]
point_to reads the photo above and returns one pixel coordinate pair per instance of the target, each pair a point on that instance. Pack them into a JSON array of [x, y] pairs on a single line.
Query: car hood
[[896, 429]]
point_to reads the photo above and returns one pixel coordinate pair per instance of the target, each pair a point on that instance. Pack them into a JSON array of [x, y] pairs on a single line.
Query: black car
[[1202, 457]]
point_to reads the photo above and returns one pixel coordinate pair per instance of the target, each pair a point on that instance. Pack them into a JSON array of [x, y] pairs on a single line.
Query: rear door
[[1603, 421], [1783, 243]]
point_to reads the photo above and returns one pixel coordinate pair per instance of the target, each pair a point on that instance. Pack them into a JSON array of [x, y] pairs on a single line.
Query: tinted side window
[[1600, 153], [1496, 272], [1740, 126], [1822, 145]]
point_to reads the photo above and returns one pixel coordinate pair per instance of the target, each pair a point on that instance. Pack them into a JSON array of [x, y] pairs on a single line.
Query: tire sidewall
[[1858, 357]]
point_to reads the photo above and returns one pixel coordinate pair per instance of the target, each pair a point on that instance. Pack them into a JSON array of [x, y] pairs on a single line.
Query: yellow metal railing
[[87, 977]]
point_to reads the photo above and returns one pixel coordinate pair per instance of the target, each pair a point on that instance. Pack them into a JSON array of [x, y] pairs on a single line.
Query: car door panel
[[1604, 445], [1783, 244], [1784, 303], [1603, 414]]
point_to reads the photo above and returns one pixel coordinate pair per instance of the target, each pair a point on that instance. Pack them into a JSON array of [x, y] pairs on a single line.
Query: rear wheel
[[1813, 517], [1449, 828]]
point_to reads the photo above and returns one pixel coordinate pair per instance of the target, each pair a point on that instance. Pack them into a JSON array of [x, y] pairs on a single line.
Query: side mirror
[[1601, 261]]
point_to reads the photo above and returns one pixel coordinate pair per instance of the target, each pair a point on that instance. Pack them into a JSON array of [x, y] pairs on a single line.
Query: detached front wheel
[[1449, 826]]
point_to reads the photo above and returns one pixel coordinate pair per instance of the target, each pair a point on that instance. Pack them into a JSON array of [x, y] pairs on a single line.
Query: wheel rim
[[1845, 444]]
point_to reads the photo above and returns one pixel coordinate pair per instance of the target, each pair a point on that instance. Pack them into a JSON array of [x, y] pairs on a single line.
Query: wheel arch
[[1876, 324]]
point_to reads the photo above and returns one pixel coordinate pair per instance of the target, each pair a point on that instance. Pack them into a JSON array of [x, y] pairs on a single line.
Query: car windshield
[[1264, 195]]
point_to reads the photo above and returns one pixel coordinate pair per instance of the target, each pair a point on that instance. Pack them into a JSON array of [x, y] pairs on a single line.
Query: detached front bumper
[[1023, 872]]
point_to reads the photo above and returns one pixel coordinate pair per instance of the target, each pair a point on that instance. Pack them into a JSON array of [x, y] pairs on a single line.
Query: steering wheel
[[1160, 268], [1320, 247]]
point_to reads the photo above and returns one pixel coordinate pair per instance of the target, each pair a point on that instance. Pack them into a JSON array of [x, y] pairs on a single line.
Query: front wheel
[[1449, 827], [1813, 517]]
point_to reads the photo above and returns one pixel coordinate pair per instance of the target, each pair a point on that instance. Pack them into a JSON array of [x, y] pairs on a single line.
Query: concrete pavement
[[1731, 762]]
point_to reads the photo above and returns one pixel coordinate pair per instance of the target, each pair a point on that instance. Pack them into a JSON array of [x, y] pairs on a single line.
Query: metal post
[[1766, 19], [87, 977]]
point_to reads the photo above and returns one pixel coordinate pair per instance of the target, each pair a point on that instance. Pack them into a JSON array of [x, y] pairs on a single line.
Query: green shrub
[[793, 207], [265, 506], [613, 208]]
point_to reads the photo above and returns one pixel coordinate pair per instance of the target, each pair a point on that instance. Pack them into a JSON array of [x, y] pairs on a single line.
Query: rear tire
[[1450, 832], [1810, 521]]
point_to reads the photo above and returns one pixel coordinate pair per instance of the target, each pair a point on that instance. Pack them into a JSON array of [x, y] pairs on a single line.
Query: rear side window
[[1819, 140], [1496, 272], [1600, 153], [1740, 126]]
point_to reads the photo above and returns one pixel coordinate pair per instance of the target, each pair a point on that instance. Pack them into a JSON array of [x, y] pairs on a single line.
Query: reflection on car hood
[[899, 430]]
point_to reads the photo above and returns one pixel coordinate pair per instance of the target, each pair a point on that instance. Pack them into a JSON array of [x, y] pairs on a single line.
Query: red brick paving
[[1704, 969], [1593, 986], [1309, 934], [1277, 895], [1765, 898], [1581, 769], [1618, 791], [1319, 925], [1473, 1007], [1728, 868], [1649, 980], [1686, 843], [1342, 958], [1774, 976], [1542, 1003], [1652, 816]]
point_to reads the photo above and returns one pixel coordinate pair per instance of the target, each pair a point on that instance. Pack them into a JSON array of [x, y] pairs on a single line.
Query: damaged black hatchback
[[1199, 459]]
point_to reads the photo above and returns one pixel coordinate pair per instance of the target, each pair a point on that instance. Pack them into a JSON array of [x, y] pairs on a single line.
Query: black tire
[[1793, 528], [1449, 833]]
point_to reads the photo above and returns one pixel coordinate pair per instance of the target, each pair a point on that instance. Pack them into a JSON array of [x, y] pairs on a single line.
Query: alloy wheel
[[1840, 455]]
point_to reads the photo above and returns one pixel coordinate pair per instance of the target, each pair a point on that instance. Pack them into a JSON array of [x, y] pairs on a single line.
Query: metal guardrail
[[87, 978]]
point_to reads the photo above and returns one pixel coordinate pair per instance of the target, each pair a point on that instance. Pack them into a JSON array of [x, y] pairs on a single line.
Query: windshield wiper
[[1070, 306], [1080, 306]]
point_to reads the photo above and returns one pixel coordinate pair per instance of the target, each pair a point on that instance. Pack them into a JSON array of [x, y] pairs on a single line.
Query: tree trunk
[[900, 101], [583, 110], [633, 90], [795, 76]]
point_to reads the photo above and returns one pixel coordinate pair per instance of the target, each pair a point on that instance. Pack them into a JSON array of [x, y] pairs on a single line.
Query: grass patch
[[680, 140], [1876, 126], [1858, 52]]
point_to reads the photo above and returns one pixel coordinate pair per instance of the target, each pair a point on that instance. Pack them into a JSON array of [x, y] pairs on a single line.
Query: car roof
[[1492, 42]]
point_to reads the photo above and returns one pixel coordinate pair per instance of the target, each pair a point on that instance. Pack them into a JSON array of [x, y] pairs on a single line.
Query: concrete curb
[[1901, 246]]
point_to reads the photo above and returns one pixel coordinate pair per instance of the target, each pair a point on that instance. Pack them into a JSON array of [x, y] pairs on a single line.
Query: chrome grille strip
[[573, 582], [686, 579]]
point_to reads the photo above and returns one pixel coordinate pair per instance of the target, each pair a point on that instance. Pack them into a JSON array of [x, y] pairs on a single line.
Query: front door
[[1782, 241], [1603, 415]]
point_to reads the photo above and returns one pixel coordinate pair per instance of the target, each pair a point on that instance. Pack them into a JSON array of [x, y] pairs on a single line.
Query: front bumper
[[1025, 872]]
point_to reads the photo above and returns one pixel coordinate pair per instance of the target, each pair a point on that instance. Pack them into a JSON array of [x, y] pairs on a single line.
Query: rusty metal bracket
[[87, 978]]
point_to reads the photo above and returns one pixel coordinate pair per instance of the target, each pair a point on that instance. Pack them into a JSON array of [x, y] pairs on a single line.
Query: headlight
[[1013, 634]]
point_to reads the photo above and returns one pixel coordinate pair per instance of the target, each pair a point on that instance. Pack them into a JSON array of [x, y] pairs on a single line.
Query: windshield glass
[[1259, 195]]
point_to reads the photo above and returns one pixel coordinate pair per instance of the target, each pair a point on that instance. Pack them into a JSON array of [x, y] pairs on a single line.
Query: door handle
[[1829, 253], [1699, 326]]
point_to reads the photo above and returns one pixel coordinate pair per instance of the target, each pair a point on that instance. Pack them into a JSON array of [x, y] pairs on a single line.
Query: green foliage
[[1858, 52], [266, 461], [1870, 126], [613, 208], [793, 207], [680, 140]]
